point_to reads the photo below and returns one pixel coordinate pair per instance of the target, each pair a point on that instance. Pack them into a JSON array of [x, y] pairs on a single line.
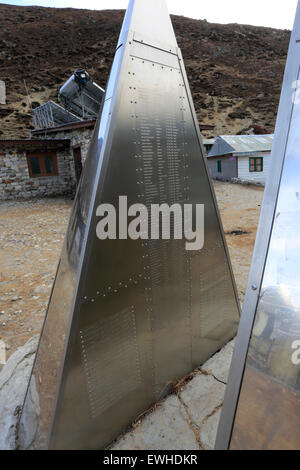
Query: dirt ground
[[31, 237]]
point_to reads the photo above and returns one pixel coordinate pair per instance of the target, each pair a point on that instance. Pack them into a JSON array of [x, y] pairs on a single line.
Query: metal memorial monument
[[262, 403], [128, 317]]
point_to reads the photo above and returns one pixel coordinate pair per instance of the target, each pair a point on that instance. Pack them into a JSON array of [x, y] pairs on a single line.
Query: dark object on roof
[[82, 95], [206, 127]]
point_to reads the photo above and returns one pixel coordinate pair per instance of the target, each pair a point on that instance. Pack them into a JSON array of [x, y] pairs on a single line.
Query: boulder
[[14, 379]]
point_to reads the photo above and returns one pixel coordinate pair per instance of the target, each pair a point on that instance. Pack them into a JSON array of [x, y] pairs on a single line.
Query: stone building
[[79, 134], [49, 164], [31, 168]]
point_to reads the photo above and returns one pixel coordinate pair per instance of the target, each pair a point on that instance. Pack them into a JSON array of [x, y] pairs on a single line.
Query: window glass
[[259, 164], [49, 164], [42, 164], [35, 165]]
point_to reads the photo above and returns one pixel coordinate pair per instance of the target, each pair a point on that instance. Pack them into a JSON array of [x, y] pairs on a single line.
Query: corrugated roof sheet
[[67, 127], [226, 144], [208, 141]]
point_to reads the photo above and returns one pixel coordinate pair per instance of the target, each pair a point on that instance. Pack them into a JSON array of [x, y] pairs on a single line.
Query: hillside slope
[[235, 71]]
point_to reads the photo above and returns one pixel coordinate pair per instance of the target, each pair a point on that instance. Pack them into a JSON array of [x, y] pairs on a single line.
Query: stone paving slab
[[201, 399], [166, 428], [219, 364], [202, 396], [208, 431]]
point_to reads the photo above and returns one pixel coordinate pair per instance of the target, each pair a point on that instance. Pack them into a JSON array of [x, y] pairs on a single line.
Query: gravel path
[[31, 237]]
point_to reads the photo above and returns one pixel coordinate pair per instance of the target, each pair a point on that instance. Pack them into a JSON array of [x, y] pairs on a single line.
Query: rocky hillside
[[235, 71]]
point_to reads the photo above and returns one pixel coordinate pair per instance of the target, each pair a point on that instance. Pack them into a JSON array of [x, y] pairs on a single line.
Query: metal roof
[[51, 114], [208, 141], [239, 144], [67, 127]]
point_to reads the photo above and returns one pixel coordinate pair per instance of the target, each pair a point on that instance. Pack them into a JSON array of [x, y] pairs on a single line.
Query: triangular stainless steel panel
[[262, 404], [126, 318]]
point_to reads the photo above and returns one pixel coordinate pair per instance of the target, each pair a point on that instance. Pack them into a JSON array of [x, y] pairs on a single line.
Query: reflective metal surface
[[128, 317], [82, 95], [262, 405]]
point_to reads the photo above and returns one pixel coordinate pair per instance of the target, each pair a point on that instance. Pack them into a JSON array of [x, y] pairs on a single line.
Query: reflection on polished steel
[[262, 405], [127, 318], [82, 95]]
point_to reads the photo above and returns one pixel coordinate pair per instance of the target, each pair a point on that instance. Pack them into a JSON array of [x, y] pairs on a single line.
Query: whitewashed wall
[[243, 167], [229, 167]]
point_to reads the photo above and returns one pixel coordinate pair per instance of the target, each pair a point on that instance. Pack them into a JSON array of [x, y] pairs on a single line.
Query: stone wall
[[15, 180], [16, 183], [80, 137]]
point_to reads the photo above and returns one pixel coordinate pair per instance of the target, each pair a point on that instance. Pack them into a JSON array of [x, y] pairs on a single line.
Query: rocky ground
[[31, 237], [240, 208], [235, 71]]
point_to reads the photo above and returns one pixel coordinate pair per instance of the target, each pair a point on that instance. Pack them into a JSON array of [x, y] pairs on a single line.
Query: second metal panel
[[261, 408]]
